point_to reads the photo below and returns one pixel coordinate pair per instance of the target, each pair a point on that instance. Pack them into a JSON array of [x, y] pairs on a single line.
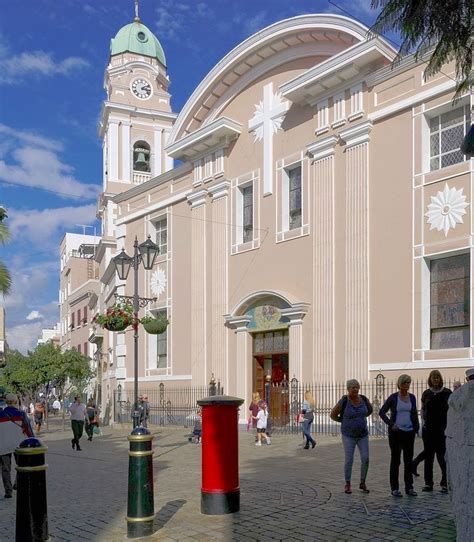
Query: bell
[[141, 160]]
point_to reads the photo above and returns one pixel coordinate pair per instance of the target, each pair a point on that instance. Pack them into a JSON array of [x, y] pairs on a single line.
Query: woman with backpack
[[352, 412], [308, 417]]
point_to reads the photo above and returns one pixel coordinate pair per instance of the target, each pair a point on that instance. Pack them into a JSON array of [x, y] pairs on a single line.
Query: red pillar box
[[220, 491]]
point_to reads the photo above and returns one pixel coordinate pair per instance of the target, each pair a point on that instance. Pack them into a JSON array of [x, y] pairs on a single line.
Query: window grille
[[247, 213], [295, 215], [161, 228], [446, 134]]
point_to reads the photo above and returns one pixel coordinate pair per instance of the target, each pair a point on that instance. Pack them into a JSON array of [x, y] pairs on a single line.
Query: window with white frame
[[161, 228], [339, 107], [323, 115], [294, 197], [446, 134], [357, 105], [162, 345], [247, 213], [450, 302]]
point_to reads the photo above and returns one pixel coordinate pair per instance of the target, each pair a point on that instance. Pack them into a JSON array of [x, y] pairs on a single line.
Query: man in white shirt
[[78, 417]]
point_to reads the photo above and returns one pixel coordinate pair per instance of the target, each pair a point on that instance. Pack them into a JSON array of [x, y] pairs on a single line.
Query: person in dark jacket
[[403, 425], [434, 412]]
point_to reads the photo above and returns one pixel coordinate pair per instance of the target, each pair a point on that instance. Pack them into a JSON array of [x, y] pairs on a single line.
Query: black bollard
[[140, 509], [31, 505]]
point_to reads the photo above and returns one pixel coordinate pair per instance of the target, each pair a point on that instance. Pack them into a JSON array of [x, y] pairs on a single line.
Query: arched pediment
[[308, 35]]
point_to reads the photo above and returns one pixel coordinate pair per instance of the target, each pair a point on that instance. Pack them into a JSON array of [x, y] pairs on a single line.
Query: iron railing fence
[[178, 406], [168, 406]]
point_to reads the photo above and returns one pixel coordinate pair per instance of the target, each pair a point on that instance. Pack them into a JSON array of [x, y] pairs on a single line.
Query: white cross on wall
[[267, 120]]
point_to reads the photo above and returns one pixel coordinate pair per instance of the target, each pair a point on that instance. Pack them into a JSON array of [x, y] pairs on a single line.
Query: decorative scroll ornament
[[446, 209], [158, 282]]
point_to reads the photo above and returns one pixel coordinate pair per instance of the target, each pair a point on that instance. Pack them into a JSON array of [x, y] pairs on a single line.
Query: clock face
[[141, 88]]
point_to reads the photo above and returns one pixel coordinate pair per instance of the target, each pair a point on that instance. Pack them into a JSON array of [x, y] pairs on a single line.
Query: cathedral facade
[[318, 224]]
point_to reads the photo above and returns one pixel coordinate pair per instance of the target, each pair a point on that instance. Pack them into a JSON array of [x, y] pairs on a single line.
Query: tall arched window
[[141, 156]]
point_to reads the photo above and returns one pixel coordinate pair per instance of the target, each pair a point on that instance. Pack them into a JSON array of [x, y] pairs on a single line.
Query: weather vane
[[137, 18]]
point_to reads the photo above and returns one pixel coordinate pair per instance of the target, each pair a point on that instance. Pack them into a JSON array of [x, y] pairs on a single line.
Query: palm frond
[[5, 279]]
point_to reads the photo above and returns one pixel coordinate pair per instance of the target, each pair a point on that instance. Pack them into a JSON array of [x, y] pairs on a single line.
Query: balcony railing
[[139, 177]]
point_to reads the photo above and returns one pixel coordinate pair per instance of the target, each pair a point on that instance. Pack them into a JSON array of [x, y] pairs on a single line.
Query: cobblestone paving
[[287, 494]]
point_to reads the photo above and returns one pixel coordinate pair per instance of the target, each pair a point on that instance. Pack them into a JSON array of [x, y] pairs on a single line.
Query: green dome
[[137, 38]]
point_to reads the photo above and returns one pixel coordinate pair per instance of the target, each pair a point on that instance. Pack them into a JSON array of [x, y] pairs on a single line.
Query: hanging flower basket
[[154, 325], [116, 318]]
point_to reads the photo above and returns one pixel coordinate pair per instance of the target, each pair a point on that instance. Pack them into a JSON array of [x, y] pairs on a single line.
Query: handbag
[[96, 430]]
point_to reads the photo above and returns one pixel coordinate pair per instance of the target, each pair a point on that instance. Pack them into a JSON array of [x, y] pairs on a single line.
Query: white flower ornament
[[446, 209], [158, 282]]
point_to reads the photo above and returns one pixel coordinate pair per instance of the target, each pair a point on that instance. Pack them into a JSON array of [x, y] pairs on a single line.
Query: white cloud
[[45, 224], [24, 336], [14, 69], [34, 315], [256, 23], [34, 160], [173, 17]]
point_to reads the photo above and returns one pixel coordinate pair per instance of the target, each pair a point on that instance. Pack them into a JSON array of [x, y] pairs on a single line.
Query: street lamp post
[[145, 253], [140, 506]]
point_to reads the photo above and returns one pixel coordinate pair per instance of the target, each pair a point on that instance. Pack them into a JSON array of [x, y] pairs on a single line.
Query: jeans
[[434, 444], [6, 463], [401, 441], [77, 429], [307, 432], [90, 429], [350, 444]]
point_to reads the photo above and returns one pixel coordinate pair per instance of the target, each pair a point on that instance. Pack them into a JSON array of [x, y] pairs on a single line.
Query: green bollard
[[140, 509], [31, 505]]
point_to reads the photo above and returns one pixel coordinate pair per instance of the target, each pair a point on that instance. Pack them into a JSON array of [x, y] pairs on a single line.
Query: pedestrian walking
[[56, 406], [14, 428], [38, 416], [262, 421], [254, 408], [92, 419], [308, 417], [78, 417], [403, 425], [145, 411], [434, 412], [352, 412]]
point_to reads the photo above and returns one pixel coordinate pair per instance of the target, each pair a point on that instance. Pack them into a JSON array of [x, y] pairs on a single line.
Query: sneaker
[[444, 489], [78, 448], [258, 444], [397, 493], [268, 440], [427, 488], [364, 488], [414, 471], [347, 488], [314, 444], [14, 486], [411, 493], [8, 495], [306, 446]]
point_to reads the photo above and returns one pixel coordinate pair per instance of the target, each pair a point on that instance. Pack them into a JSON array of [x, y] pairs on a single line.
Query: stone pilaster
[[126, 152], [323, 215], [242, 385], [357, 251], [219, 287], [197, 200], [295, 314]]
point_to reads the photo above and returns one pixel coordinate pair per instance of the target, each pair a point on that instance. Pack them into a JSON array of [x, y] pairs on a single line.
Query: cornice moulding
[[153, 183], [323, 148], [356, 134], [219, 190], [412, 100], [152, 114], [198, 198], [221, 130], [310, 85], [175, 198]]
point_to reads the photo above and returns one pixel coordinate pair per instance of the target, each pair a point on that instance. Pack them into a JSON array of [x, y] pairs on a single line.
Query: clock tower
[[136, 116]]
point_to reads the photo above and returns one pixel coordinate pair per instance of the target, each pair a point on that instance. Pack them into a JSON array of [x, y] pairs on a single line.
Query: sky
[[52, 60]]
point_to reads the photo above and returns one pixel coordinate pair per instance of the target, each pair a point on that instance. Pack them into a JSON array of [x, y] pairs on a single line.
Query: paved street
[[287, 493]]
